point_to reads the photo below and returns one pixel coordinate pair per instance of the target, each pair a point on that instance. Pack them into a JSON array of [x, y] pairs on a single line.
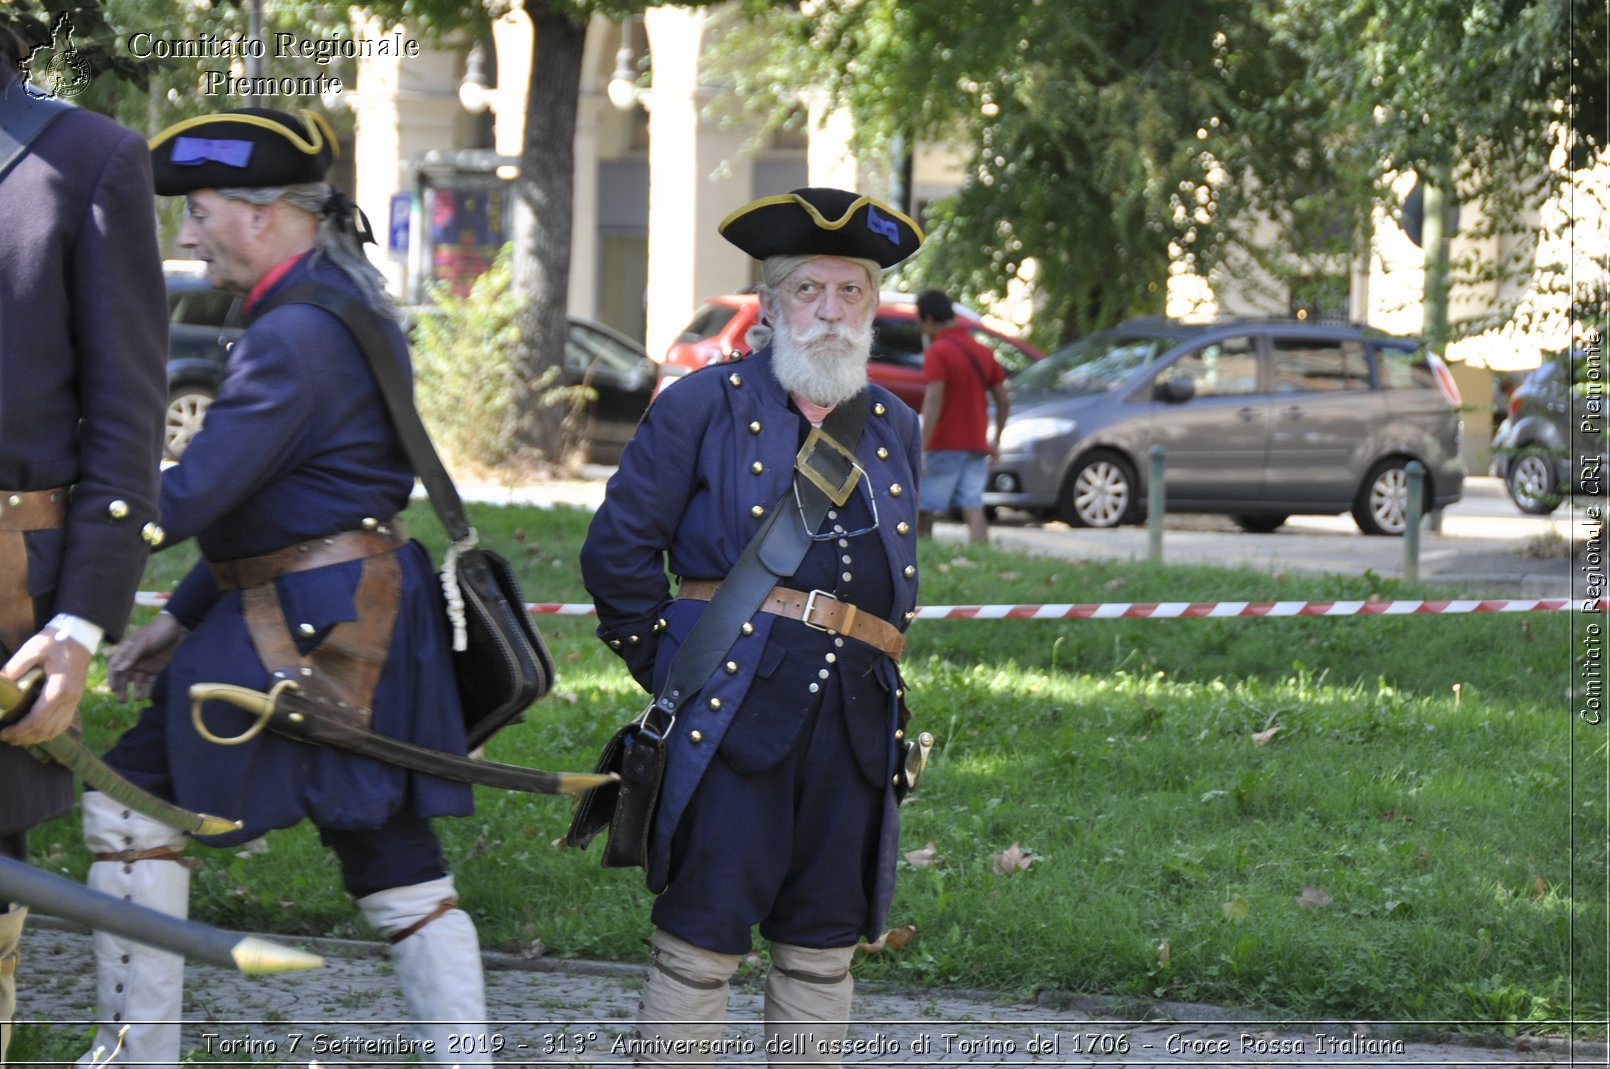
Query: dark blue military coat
[[296, 446], [713, 456], [83, 341]]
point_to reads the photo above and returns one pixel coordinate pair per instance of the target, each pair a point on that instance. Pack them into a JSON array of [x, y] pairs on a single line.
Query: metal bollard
[[1154, 503], [1412, 514]]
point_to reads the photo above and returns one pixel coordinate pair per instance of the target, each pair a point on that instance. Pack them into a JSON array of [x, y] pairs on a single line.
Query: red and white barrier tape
[[1163, 610]]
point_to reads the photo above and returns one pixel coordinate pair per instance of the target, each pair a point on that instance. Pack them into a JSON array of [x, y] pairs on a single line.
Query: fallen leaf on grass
[[1012, 859], [1314, 898], [569, 697], [963, 562], [1010, 576], [1164, 952], [1260, 738], [1539, 888], [1236, 910], [926, 858], [893, 939]]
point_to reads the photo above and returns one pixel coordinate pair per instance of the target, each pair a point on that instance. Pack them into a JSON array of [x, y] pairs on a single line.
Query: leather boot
[[10, 935], [437, 957], [807, 1004], [139, 990], [684, 1003]]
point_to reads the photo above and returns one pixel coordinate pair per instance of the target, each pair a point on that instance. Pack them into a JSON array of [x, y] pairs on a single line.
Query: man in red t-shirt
[[955, 439]]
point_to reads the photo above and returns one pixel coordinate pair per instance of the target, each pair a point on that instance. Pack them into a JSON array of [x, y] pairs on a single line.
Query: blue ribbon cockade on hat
[[192, 151], [879, 225]]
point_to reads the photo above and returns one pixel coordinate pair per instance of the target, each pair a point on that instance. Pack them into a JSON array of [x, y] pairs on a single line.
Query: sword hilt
[[16, 694], [255, 702]]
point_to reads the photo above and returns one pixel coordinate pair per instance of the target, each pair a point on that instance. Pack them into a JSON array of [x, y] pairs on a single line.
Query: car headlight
[[1019, 433]]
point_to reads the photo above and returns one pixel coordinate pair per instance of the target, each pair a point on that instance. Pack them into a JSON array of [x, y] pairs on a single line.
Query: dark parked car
[[717, 331], [1552, 443], [1259, 419], [204, 323]]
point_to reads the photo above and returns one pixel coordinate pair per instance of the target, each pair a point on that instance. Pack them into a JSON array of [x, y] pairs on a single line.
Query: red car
[[717, 330]]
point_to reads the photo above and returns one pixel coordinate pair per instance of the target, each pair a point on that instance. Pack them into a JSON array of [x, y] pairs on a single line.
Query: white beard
[[826, 365]]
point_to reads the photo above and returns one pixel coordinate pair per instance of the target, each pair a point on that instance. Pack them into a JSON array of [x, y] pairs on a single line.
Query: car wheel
[[187, 407], [1100, 492], [1259, 524], [1382, 505], [1531, 483]]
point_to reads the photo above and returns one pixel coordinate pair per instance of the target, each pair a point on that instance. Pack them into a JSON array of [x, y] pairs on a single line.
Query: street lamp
[[622, 90], [473, 93]]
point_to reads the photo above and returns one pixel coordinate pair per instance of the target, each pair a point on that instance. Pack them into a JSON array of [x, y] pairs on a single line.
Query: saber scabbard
[[68, 750], [46, 893], [288, 711]]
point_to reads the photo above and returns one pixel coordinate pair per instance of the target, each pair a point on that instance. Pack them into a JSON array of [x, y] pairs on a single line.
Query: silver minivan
[[1259, 419]]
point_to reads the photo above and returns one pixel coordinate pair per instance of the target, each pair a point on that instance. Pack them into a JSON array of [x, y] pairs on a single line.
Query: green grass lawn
[[1382, 818]]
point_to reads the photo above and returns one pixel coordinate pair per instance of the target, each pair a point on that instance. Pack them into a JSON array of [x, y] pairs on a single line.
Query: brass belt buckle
[[838, 473]]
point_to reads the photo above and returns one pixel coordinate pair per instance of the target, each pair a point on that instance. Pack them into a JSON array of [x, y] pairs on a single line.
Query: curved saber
[[66, 749], [288, 710], [45, 893]]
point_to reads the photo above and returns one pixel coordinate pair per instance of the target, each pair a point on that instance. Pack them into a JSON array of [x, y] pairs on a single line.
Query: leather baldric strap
[[348, 662], [34, 510], [246, 572], [817, 609]]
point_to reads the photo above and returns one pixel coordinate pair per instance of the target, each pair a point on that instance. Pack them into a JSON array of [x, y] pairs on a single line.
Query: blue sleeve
[[623, 558], [254, 430]]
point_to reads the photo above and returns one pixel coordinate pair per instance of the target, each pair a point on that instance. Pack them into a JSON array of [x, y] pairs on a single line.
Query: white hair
[[334, 242]]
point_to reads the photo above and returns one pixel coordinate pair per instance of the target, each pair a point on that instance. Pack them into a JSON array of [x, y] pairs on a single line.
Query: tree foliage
[[1105, 140]]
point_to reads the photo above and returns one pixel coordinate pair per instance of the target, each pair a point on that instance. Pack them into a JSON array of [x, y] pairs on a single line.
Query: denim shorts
[[953, 478]]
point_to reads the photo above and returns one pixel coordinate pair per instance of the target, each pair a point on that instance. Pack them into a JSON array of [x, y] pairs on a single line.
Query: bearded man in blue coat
[[83, 339], [779, 808], [291, 490]]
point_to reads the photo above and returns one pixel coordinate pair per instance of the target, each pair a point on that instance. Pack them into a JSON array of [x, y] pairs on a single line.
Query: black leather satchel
[[638, 751], [500, 660]]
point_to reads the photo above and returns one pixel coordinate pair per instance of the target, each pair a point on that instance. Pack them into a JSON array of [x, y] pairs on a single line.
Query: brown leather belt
[[20, 511], [33, 510], [247, 572], [816, 608]]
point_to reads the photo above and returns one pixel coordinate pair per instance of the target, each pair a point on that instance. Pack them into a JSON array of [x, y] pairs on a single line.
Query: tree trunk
[[544, 197]]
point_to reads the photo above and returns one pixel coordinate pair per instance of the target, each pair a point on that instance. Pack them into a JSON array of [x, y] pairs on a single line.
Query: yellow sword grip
[[255, 702], [14, 692]]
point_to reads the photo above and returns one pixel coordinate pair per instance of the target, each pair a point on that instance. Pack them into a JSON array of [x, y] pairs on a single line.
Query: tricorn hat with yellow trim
[[823, 222], [248, 147]]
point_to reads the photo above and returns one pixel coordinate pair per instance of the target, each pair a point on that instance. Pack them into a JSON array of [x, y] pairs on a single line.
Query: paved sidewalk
[[579, 1014]]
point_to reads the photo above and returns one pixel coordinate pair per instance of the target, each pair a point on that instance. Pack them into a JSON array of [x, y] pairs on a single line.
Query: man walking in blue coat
[[290, 489], [83, 339], [779, 807]]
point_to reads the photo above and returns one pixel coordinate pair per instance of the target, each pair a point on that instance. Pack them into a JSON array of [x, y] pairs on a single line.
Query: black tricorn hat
[[822, 222], [248, 147]]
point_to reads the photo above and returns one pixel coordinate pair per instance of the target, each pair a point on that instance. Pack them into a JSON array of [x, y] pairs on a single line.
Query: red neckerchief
[[267, 281]]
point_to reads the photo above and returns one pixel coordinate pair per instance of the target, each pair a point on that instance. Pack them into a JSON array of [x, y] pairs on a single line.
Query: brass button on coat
[[736, 379], [754, 428], [118, 509], [896, 490], [757, 467], [758, 511], [883, 453], [715, 705], [902, 527], [878, 409]]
